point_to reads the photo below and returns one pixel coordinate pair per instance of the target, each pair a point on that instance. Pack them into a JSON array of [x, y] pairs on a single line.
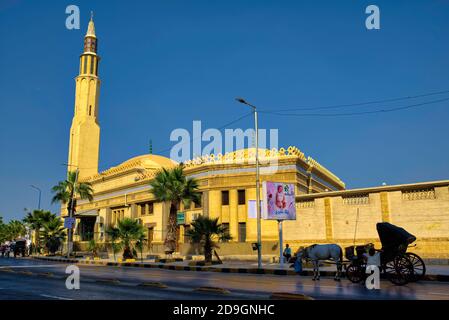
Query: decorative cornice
[[244, 157], [353, 192], [265, 155]]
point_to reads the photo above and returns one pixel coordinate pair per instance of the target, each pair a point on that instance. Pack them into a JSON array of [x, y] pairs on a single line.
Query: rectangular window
[[242, 198], [142, 209], [150, 207], [242, 232], [198, 205], [225, 198]]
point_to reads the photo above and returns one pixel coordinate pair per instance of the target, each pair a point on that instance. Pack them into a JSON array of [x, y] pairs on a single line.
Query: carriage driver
[[372, 257]]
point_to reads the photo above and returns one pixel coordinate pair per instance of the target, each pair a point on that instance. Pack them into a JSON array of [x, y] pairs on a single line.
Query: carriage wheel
[[419, 268], [399, 270], [354, 273]]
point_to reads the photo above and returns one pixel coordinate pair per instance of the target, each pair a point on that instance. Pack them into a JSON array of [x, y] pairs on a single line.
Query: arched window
[[90, 110]]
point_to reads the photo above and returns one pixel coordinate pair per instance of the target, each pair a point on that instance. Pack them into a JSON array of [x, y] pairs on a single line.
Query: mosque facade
[[326, 211]]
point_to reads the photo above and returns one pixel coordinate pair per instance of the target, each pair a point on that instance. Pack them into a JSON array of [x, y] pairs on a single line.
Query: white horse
[[319, 252]]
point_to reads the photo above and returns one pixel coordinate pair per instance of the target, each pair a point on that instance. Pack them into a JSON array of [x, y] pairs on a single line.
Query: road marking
[[439, 293], [54, 297], [32, 266]]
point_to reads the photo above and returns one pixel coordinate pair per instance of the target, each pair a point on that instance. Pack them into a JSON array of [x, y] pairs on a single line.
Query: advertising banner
[[278, 201]]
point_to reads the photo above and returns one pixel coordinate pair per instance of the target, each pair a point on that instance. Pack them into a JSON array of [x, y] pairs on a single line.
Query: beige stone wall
[[331, 217], [422, 209]]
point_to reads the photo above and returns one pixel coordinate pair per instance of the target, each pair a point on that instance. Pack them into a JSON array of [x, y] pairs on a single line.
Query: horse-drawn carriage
[[398, 265]]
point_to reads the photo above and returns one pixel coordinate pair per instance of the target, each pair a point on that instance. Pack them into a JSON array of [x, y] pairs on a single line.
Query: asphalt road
[[34, 279]]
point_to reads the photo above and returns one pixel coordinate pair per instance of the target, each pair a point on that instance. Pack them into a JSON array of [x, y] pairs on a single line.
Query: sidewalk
[[433, 272]]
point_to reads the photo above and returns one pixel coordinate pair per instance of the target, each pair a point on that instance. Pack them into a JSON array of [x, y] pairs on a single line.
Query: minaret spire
[[91, 26], [90, 39], [85, 131]]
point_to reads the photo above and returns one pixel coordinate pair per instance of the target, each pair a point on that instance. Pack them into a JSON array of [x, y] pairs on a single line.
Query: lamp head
[[241, 100]]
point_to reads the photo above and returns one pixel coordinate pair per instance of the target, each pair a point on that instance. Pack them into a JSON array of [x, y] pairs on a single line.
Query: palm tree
[[114, 235], [172, 186], [53, 234], [207, 231], [129, 230], [3, 231], [66, 190], [16, 229], [92, 247], [36, 221], [140, 244]]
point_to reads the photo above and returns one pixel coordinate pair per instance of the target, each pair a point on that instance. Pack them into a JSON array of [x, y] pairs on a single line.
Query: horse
[[319, 252]]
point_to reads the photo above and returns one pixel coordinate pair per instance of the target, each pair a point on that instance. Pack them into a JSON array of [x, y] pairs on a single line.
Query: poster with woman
[[278, 201]]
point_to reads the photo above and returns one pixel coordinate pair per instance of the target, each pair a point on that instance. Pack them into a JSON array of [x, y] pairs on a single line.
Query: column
[[328, 218], [385, 206]]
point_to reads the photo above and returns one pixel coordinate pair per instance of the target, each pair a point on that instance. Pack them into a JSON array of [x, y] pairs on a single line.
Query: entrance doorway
[[87, 228], [150, 239]]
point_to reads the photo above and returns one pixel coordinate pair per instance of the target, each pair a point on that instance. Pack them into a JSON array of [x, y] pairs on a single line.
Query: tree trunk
[[127, 254], [38, 241], [170, 239], [207, 250]]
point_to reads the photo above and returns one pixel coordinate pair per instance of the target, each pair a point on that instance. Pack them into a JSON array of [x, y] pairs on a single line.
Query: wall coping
[[399, 187]]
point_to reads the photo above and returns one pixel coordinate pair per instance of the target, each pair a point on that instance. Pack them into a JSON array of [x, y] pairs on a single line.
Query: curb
[[153, 285], [212, 290], [112, 281], [279, 272], [289, 296]]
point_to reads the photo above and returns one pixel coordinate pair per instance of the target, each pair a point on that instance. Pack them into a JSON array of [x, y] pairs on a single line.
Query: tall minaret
[[85, 131]]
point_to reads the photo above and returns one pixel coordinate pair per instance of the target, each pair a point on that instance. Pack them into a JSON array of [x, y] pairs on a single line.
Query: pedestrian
[[12, 248], [372, 257], [287, 252], [7, 250]]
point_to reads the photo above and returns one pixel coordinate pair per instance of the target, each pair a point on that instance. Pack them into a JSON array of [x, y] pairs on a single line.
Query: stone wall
[[350, 216]]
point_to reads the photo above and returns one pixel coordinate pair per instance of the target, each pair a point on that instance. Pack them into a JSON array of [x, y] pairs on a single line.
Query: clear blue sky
[[166, 63]]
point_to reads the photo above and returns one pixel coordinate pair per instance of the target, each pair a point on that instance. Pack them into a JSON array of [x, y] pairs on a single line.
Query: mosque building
[[326, 211]]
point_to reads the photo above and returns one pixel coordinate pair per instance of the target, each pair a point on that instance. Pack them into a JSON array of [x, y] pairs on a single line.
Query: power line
[[356, 104], [354, 113]]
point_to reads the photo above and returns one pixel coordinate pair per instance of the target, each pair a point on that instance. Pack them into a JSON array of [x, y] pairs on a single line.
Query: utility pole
[[71, 211], [40, 193], [259, 231]]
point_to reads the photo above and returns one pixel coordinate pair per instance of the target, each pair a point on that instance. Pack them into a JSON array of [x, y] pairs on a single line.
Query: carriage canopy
[[392, 236]]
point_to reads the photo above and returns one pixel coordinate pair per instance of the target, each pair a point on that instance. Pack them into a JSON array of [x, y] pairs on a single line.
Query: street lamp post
[[259, 236], [40, 193], [72, 208]]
